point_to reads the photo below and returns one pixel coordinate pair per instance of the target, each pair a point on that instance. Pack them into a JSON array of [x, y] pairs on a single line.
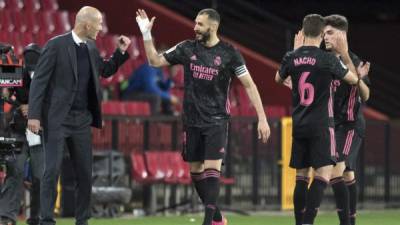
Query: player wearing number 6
[[312, 72]]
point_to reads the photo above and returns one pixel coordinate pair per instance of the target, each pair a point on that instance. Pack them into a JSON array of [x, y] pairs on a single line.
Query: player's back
[[312, 72]]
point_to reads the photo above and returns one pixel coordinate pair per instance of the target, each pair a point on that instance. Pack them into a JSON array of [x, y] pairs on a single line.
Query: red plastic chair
[[6, 24], [61, 21], [31, 22], [14, 4], [31, 5], [167, 167], [26, 38], [154, 167], [136, 108], [138, 170], [50, 5], [113, 108], [45, 21], [181, 169]]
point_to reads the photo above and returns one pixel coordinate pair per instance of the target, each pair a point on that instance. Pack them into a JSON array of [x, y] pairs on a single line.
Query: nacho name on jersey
[[304, 61]]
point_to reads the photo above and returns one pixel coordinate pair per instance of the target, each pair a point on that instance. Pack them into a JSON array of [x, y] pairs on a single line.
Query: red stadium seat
[[6, 24], [41, 37], [2, 4], [167, 167], [45, 21], [16, 42], [50, 5], [61, 21], [26, 38], [139, 170], [14, 4], [31, 21], [154, 166], [136, 108], [18, 19], [71, 17], [181, 172], [31, 5], [5, 37], [113, 108]]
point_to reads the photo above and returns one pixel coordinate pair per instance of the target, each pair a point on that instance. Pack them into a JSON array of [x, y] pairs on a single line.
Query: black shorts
[[204, 143], [315, 152], [348, 143]]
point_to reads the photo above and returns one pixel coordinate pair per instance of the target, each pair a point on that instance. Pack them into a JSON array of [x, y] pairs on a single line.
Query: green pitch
[[384, 217]]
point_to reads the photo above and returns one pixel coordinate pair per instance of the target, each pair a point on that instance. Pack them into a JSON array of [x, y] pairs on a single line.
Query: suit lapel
[[92, 59], [72, 58]]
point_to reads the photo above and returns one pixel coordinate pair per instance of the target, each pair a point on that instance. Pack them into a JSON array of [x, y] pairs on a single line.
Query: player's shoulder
[[184, 44], [328, 55], [228, 46], [290, 54], [187, 43], [58, 41]]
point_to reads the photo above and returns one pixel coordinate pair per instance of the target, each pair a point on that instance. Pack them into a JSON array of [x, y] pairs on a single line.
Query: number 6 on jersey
[[306, 90]]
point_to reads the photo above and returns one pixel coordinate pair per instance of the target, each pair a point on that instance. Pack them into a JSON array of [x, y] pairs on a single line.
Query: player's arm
[[282, 75], [342, 47], [155, 59], [297, 43], [286, 82], [278, 78], [353, 79], [362, 71], [254, 96], [343, 50]]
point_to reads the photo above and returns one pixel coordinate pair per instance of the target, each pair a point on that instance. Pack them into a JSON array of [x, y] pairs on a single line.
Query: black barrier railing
[[255, 166]]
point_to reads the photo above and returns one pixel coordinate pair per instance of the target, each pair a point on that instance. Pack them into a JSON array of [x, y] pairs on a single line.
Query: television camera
[[11, 76]]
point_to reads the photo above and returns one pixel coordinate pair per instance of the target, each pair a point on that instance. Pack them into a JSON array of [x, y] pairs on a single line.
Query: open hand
[[143, 21], [363, 69]]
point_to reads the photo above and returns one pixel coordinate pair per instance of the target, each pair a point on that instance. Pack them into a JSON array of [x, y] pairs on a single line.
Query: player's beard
[[204, 36]]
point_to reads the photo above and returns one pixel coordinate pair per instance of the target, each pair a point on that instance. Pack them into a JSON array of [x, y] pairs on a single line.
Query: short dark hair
[[313, 25], [211, 13], [337, 21]]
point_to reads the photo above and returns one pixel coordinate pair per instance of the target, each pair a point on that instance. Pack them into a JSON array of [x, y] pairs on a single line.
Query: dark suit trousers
[[75, 132]]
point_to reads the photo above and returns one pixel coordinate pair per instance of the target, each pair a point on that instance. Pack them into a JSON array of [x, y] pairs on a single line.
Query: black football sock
[[352, 187], [314, 198], [300, 197], [341, 194], [200, 186], [212, 179]]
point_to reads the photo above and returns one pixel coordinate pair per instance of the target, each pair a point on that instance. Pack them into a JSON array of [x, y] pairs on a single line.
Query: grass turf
[[383, 217]]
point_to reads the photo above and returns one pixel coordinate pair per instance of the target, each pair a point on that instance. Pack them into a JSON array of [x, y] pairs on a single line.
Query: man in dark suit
[[65, 99]]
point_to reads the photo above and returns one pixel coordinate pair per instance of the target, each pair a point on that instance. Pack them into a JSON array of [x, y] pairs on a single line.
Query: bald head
[[88, 22], [87, 14]]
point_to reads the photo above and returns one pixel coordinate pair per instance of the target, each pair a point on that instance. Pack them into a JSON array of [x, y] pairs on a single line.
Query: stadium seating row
[[163, 167], [29, 5]]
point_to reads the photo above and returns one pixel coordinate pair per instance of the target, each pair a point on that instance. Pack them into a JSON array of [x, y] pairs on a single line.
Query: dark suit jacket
[[56, 77]]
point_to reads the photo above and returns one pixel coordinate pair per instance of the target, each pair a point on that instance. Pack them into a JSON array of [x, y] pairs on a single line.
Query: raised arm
[[145, 26]]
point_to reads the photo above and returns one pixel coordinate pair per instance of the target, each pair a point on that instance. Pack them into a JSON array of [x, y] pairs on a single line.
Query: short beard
[[205, 37]]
